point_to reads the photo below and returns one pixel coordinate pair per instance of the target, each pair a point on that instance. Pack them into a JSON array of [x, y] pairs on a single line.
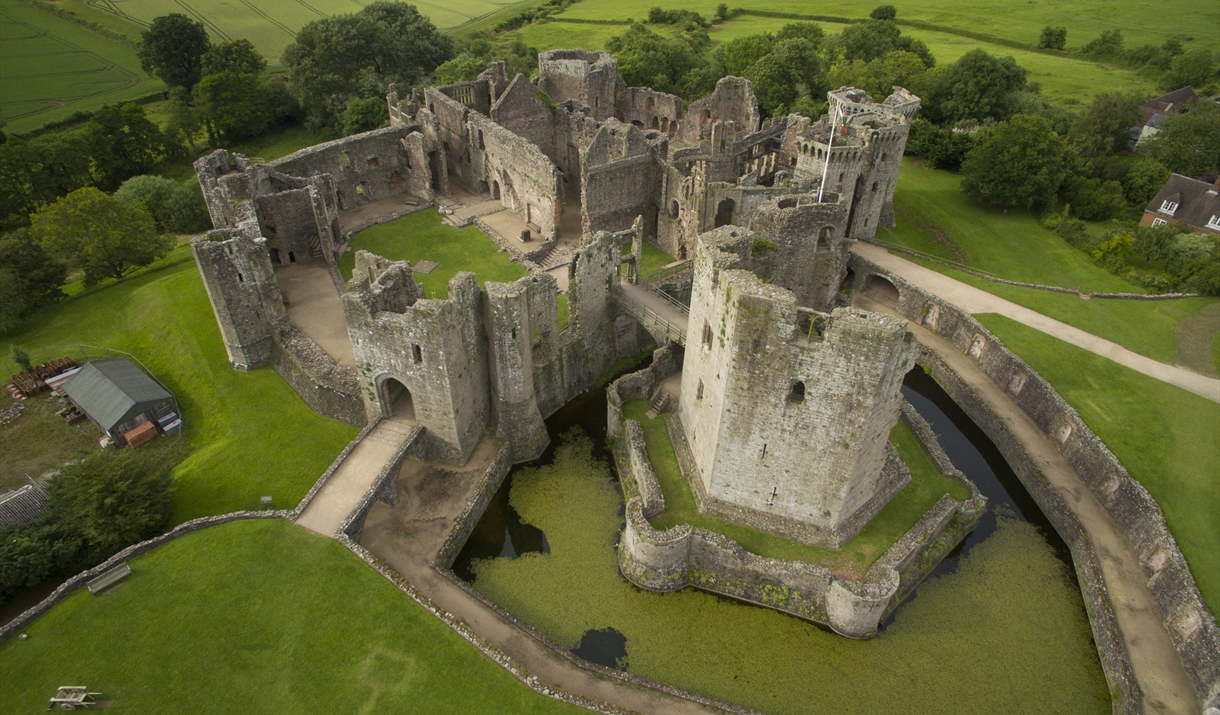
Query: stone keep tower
[[788, 410]]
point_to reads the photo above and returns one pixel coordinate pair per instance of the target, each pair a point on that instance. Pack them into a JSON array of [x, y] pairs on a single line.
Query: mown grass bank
[[249, 434], [207, 624]]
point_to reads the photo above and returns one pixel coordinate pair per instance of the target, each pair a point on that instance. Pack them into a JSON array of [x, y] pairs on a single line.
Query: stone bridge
[[661, 315]]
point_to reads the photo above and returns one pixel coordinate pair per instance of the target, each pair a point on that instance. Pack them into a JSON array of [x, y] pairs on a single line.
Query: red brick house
[[1184, 201]]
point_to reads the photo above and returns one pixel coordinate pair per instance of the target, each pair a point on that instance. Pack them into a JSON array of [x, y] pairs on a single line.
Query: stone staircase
[[658, 403], [392, 432]]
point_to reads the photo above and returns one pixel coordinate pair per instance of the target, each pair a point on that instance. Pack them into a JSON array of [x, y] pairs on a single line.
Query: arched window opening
[[707, 335], [797, 393], [417, 354], [673, 209], [824, 237]]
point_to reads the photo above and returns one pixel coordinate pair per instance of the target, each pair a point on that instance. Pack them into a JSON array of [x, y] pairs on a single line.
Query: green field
[[1164, 436], [1015, 246], [206, 624], [50, 68], [248, 432], [270, 24], [1005, 632], [926, 488], [1196, 23]]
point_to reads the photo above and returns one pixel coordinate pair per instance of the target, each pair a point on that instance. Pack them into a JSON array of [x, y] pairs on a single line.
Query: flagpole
[[826, 168]]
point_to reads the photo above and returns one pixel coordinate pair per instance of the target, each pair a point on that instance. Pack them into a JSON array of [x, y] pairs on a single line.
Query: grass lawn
[[1008, 620], [1164, 436], [205, 624], [926, 488], [40, 441], [50, 68], [653, 260], [1011, 245], [249, 434], [423, 235]]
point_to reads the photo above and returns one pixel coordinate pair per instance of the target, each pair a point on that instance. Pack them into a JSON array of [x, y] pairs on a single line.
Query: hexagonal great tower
[[788, 409]]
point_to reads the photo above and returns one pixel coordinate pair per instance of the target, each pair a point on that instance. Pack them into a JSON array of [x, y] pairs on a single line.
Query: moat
[[1001, 614]]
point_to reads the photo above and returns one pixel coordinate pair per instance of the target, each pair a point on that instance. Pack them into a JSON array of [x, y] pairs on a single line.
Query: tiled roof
[[1197, 201]]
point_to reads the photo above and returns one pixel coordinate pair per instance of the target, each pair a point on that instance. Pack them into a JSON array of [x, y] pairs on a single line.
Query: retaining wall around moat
[[1190, 624], [687, 556]]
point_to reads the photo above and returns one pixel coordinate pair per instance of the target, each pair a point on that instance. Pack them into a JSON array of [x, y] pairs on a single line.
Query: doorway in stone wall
[[396, 400], [724, 213]]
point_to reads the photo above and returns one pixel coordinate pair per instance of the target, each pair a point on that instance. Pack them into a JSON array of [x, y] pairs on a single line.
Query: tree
[[105, 236], [1196, 69], [804, 64], [1053, 38], [37, 274], [977, 87], [1103, 128], [186, 211], [868, 40], [884, 12], [360, 55], [1094, 199], [35, 173], [463, 68], [1020, 162], [237, 56], [1188, 143], [122, 143], [646, 59], [155, 192], [880, 76], [810, 31], [1143, 180], [172, 48], [1108, 45], [740, 54], [362, 115], [232, 106], [112, 499], [774, 84]]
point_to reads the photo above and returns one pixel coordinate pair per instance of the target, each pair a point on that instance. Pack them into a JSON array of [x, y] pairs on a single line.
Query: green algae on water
[[1006, 632]]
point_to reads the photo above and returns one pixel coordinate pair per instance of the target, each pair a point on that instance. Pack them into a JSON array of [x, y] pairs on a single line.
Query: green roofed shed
[[118, 396]]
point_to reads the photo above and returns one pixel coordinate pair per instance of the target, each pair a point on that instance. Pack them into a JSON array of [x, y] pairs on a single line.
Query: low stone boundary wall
[[66, 589], [328, 388], [652, 501], [384, 488], [489, 484], [1189, 622], [637, 386]]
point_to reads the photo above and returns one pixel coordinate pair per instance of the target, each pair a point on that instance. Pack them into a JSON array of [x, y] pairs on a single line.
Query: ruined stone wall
[[733, 100], [647, 108], [521, 111], [873, 198], [435, 348], [620, 179], [1190, 624], [810, 251], [328, 388], [585, 76], [449, 151], [511, 338], [788, 422], [242, 289], [365, 167], [517, 173]]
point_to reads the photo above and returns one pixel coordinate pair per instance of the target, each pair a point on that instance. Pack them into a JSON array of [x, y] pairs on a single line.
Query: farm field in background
[[50, 68], [270, 24], [1197, 24]]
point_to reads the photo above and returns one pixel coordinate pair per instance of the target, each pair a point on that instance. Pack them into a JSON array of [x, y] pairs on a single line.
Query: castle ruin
[[787, 395]]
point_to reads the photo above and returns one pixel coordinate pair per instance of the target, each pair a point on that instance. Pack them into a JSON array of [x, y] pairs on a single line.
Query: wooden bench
[[108, 579]]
